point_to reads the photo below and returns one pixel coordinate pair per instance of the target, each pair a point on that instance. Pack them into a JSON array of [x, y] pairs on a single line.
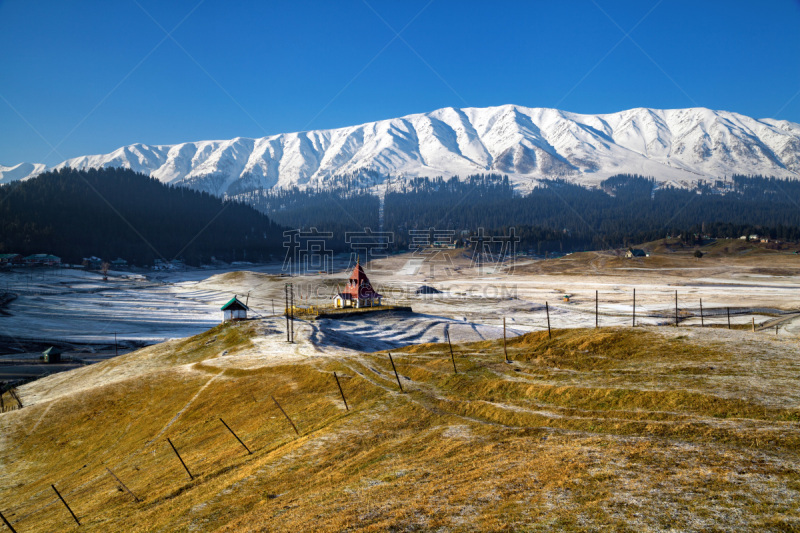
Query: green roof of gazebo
[[234, 304]]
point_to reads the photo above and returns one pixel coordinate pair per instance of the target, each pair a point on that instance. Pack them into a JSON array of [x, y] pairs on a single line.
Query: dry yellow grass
[[619, 429]]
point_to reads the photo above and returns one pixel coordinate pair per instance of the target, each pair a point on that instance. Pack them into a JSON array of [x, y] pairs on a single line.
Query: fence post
[[65, 504], [754, 324], [547, 309], [180, 459], [702, 323], [634, 307], [286, 310], [14, 395], [395, 372], [596, 309], [341, 391], [235, 435], [452, 357], [7, 523], [729, 317], [676, 309], [291, 308], [505, 349], [284, 414]]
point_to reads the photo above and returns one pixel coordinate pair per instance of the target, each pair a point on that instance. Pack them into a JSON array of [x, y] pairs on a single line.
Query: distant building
[[175, 264], [52, 355], [635, 252], [42, 259], [119, 262], [234, 310], [358, 292], [92, 263], [10, 259]]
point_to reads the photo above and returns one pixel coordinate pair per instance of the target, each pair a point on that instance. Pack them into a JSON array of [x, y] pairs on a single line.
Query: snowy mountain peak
[[20, 172], [677, 145]]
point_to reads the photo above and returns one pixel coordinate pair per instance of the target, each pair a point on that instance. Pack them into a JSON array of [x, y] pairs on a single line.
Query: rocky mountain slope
[[676, 145]]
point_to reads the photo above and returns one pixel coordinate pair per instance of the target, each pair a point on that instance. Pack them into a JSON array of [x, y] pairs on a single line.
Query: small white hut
[[234, 310]]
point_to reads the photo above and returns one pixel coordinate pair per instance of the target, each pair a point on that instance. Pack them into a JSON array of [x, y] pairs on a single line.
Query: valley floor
[[649, 428]]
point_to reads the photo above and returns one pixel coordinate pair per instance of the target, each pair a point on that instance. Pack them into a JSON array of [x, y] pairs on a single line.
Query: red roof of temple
[[358, 286]]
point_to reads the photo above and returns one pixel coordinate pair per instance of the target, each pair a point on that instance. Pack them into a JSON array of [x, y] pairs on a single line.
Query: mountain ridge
[[528, 144]]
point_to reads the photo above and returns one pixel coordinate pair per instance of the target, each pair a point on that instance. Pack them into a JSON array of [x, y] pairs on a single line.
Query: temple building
[[358, 292]]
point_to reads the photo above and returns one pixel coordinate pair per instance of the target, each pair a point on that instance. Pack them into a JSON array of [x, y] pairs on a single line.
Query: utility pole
[[596, 309], [286, 310], [702, 324], [291, 307]]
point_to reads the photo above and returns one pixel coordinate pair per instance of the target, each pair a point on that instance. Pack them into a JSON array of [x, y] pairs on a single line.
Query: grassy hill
[[676, 259], [627, 429]]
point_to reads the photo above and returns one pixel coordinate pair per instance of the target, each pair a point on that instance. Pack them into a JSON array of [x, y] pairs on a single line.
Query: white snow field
[[78, 306]]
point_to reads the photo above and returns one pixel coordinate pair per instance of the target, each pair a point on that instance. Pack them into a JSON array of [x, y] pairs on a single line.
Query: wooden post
[[634, 308], [123, 485], [273, 306], [729, 317], [395, 373], [291, 308], [754, 323], [14, 395], [65, 504], [7, 523], [505, 348], [180, 459], [596, 309], [2, 407], [286, 310], [547, 309], [235, 435], [452, 357], [776, 329], [676, 309], [341, 391], [702, 324], [284, 414]]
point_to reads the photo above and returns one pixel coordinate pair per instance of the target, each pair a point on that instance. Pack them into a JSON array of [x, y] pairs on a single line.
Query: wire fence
[[103, 477]]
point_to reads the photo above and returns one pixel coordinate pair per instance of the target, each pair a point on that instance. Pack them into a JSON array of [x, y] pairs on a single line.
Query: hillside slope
[[118, 213], [630, 429]]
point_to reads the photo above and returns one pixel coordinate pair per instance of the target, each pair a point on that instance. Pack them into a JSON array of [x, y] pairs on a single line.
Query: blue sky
[[87, 77]]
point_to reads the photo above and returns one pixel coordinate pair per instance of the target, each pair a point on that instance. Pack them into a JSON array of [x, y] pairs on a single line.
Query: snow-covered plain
[[77, 306]]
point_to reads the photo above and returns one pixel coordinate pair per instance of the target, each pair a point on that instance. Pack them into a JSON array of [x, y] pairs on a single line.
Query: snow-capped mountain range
[[672, 145]]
